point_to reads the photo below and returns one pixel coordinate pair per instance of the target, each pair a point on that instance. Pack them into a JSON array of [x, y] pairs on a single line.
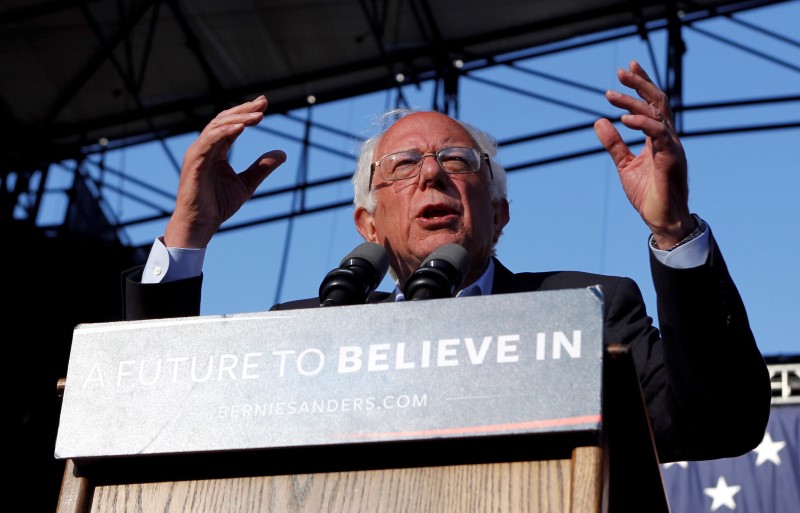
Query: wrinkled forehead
[[424, 132]]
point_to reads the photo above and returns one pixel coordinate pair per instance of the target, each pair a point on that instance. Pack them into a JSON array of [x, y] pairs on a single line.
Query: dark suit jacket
[[704, 380]]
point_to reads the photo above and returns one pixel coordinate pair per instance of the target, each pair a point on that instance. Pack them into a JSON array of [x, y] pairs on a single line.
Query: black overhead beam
[[195, 110], [214, 101]]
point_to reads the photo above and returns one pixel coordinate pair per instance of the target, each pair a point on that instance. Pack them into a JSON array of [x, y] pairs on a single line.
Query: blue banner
[[765, 480]]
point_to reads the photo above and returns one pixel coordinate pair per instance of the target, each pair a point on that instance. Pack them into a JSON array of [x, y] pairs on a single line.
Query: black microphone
[[358, 274], [440, 275]]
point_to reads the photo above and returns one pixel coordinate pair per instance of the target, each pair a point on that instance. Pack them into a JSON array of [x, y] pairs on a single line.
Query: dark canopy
[[76, 71]]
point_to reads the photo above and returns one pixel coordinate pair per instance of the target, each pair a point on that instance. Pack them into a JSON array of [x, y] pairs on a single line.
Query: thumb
[[261, 169], [612, 141]]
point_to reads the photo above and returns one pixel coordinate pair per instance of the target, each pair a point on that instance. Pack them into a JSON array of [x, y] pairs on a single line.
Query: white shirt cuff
[[171, 264], [691, 254]]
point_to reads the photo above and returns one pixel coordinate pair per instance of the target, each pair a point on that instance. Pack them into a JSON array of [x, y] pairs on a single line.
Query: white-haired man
[[430, 180]]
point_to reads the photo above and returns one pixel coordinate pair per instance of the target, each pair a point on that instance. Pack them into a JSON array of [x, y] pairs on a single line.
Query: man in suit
[[430, 180]]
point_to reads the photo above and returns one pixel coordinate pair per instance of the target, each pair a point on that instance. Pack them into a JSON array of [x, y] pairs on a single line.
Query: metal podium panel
[[466, 367]]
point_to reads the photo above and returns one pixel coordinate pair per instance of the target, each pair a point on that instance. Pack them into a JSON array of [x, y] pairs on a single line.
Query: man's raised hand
[[210, 191], [655, 181]]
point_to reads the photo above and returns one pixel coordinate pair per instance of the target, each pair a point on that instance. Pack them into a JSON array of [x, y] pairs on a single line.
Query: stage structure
[[83, 78]]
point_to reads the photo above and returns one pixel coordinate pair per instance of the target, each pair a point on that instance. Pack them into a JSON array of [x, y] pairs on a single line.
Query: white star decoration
[[768, 450], [722, 494], [681, 464]]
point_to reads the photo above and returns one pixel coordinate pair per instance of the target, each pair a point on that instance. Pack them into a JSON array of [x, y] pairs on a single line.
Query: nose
[[430, 171]]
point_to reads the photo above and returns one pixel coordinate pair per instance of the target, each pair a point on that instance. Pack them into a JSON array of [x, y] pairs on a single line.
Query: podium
[[508, 403]]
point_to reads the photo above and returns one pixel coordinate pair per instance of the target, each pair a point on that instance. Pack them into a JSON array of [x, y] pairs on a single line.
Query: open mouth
[[437, 213], [433, 213]]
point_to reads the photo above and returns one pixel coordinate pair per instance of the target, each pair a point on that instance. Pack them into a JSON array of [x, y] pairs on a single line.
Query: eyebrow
[[440, 147]]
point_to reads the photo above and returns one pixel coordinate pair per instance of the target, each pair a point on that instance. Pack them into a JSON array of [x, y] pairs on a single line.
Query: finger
[[636, 78], [261, 169], [637, 69], [249, 113], [612, 141], [655, 128], [654, 94], [258, 104], [633, 105], [218, 136], [658, 111], [214, 142], [231, 118]]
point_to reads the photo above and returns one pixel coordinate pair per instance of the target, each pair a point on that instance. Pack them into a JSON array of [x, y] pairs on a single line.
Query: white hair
[[364, 197]]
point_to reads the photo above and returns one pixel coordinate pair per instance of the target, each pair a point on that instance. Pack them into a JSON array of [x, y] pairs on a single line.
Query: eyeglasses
[[407, 164]]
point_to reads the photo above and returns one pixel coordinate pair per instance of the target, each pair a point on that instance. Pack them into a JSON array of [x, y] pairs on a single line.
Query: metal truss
[[24, 185]]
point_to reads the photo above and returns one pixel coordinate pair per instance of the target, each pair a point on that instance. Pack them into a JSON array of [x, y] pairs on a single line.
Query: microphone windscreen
[[358, 274], [440, 275], [453, 253], [372, 253]]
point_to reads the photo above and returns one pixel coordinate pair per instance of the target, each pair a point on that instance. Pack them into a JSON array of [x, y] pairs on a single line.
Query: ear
[[501, 217], [365, 224]]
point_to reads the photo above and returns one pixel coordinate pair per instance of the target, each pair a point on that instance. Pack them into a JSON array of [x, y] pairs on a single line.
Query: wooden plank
[[587, 480], [518, 487], [75, 491]]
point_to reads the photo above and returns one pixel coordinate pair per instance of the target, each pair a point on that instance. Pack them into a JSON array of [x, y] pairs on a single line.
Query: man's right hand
[[210, 191]]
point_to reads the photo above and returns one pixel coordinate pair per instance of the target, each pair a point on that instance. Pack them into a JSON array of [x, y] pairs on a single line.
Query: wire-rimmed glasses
[[407, 164]]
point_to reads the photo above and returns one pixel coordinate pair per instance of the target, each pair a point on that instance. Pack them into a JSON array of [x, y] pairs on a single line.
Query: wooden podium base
[[562, 485]]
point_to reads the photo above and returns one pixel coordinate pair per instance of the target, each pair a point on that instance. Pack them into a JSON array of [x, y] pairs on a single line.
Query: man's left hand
[[655, 181]]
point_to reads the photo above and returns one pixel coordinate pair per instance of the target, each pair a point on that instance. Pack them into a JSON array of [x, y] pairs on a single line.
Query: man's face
[[415, 216]]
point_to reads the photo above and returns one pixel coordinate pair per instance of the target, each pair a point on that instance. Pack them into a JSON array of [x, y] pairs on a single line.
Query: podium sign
[[445, 368]]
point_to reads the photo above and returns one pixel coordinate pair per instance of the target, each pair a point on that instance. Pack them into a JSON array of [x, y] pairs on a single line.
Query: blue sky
[[568, 215]]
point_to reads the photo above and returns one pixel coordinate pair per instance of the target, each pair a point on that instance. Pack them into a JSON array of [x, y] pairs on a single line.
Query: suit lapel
[[506, 282], [503, 281], [381, 297]]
